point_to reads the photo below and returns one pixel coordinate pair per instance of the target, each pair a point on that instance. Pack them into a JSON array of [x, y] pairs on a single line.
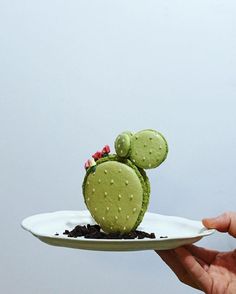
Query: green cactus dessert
[[146, 149], [122, 144], [116, 194], [116, 188]]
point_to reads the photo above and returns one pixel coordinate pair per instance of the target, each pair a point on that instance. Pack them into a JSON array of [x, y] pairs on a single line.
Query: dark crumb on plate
[[94, 232], [162, 237]]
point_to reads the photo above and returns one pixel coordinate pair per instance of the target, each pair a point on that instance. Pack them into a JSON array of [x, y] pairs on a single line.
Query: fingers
[[194, 269], [204, 254], [169, 257], [203, 264], [226, 222]]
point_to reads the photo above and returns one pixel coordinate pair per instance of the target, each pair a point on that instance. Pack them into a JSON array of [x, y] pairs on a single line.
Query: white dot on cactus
[[88, 199], [108, 208], [119, 138], [93, 190], [131, 196], [144, 158], [99, 181], [133, 160], [119, 209], [127, 216], [105, 171], [124, 228], [111, 228], [150, 165], [134, 209], [105, 194], [95, 209], [123, 140], [116, 217], [160, 147], [88, 183], [121, 151], [126, 182], [103, 218], [119, 196], [119, 170], [112, 182]]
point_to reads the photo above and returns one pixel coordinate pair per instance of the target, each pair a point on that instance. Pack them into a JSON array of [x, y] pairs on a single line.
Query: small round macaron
[[116, 194], [122, 144], [146, 149]]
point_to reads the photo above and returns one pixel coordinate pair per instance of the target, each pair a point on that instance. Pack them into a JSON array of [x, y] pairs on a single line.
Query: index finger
[[170, 258], [194, 269]]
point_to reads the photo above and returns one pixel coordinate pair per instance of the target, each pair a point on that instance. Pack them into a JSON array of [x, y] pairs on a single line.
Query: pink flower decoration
[[87, 164], [90, 163], [106, 149], [97, 155]]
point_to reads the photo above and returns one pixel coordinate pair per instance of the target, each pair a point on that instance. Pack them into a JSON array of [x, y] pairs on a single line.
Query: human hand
[[210, 271]]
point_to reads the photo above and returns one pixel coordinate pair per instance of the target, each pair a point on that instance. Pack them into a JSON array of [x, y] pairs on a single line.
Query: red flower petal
[[97, 155], [106, 149]]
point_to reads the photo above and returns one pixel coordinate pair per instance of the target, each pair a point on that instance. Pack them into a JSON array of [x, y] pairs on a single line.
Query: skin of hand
[[210, 271]]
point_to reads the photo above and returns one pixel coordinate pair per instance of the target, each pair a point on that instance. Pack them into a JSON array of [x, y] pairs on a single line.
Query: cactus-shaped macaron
[[116, 188], [146, 149], [116, 194]]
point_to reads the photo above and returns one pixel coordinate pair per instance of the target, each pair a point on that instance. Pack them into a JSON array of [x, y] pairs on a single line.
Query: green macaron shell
[[145, 198], [148, 149], [116, 194], [122, 144]]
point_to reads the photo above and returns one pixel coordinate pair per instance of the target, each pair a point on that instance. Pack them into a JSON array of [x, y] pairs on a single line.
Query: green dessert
[[116, 188], [146, 149]]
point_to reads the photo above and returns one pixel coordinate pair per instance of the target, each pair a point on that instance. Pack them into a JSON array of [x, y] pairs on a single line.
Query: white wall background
[[73, 74]]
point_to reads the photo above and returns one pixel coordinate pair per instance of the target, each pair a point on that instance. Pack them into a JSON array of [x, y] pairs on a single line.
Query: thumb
[[225, 222]]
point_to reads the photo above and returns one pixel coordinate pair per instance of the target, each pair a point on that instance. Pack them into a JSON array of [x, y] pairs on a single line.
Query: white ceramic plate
[[179, 231]]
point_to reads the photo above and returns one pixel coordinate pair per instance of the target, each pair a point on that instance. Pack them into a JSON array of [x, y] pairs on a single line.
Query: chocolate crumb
[[94, 232]]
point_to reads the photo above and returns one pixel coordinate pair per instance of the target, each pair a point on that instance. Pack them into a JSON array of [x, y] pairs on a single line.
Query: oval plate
[[171, 232]]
